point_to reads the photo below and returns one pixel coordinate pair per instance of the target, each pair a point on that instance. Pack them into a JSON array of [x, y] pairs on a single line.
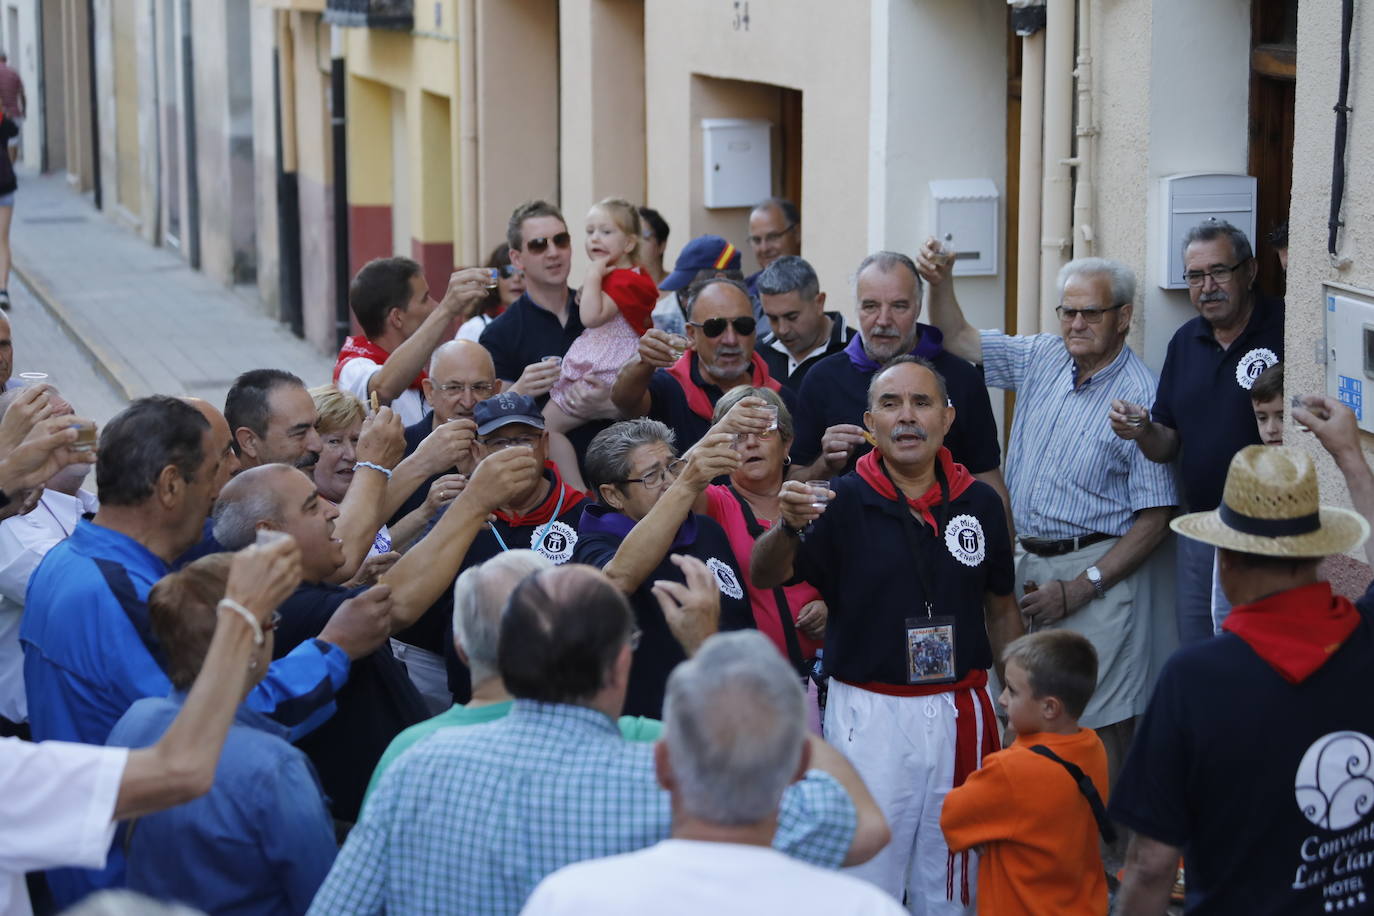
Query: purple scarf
[[929, 344], [599, 519]]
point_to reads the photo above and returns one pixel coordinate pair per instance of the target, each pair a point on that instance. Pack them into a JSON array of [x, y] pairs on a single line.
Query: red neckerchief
[[697, 401], [970, 747], [544, 511], [1295, 631], [957, 478], [356, 346]]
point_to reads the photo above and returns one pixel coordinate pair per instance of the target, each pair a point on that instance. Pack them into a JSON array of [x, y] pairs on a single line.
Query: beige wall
[[1309, 266], [821, 48]]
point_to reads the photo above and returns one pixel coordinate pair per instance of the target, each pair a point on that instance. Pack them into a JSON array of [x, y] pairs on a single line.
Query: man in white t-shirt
[[734, 738], [401, 326]]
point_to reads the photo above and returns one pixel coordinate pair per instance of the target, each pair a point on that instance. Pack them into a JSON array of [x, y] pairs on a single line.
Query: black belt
[[1044, 548]]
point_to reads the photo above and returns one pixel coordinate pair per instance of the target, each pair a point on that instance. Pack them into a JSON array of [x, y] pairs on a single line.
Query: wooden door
[[1273, 78]]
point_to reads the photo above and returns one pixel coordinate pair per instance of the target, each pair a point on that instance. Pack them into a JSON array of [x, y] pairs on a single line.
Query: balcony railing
[[371, 14]]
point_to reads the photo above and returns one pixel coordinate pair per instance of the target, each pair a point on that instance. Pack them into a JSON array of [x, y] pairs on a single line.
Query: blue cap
[[506, 408], [707, 252]]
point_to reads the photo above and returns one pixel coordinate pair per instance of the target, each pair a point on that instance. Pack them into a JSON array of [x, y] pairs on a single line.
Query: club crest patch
[[557, 542], [1253, 364], [965, 540], [725, 578]]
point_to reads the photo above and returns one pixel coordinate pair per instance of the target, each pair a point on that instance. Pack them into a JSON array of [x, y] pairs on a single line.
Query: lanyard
[[557, 510], [921, 561]]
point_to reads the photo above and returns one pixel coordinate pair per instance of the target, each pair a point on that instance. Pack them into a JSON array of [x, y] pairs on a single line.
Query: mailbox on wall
[[965, 213], [737, 155], [1187, 199]]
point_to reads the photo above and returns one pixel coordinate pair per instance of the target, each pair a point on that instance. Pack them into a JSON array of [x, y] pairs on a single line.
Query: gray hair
[[739, 392], [243, 503], [789, 274], [789, 211], [734, 723], [479, 597], [608, 456], [1211, 229], [888, 261], [1121, 277]]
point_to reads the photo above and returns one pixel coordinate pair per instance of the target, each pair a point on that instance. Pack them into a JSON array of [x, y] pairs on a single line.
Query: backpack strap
[[784, 609], [1085, 785]]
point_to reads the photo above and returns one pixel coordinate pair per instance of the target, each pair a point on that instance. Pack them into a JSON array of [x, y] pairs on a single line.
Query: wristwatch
[[1095, 577]]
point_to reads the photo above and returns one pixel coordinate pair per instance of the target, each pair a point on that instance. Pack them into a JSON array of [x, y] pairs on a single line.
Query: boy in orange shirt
[[1036, 829]]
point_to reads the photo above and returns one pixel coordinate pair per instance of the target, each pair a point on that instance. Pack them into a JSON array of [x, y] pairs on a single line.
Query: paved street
[[136, 314]]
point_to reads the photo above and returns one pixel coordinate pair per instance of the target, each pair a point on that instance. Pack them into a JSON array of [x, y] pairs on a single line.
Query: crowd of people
[[677, 592]]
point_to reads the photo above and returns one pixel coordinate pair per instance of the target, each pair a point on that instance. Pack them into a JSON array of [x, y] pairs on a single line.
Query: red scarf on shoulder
[[1295, 631], [356, 346], [956, 475], [545, 510], [697, 401]]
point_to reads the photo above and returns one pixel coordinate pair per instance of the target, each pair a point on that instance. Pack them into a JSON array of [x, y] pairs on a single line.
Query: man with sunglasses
[[681, 388], [1088, 507], [544, 321], [1202, 414]]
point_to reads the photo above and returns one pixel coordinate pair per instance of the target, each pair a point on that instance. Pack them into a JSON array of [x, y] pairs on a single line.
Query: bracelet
[[1064, 593], [795, 532], [246, 614], [374, 465]]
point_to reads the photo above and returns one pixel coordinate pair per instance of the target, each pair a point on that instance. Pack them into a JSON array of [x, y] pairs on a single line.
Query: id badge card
[[930, 650]]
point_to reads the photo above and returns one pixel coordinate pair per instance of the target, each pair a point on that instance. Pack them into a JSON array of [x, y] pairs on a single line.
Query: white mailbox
[[1187, 199], [737, 155], [1350, 348], [966, 210]]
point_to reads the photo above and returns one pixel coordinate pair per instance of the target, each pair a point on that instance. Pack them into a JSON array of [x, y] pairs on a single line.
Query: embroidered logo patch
[[1335, 780], [964, 538], [725, 578], [557, 544], [1253, 364]]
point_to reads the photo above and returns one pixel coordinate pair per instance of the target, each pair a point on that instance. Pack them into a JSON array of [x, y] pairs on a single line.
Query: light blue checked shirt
[[471, 819], [1067, 472]]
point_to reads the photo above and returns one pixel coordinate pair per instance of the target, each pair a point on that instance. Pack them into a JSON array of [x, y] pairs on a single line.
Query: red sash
[[697, 401], [356, 346]]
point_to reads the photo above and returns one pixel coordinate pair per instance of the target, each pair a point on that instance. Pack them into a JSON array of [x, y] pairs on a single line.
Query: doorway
[[1273, 80]]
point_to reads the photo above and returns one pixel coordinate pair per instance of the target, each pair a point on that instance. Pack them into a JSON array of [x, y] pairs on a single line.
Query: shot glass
[[85, 438], [944, 252], [35, 378], [493, 278], [1136, 419], [679, 345], [556, 360], [772, 417], [820, 493]]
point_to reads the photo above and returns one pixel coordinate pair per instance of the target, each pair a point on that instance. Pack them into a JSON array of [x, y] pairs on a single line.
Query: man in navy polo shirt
[[1202, 413], [834, 393], [682, 390], [914, 562], [1264, 788], [643, 515], [544, 321], [804, 333], [542, 516]]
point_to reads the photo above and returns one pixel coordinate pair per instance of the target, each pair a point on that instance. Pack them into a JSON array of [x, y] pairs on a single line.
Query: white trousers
[[427, 672], [903, 747]]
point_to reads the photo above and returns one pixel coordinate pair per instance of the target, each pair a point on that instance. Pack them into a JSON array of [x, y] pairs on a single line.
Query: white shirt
[[24, 541], [57, 803], [694, 877], [358, 371], [472, 328]]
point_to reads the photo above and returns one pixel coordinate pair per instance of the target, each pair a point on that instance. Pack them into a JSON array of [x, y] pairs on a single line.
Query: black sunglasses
[[714, 327], [537, 246]]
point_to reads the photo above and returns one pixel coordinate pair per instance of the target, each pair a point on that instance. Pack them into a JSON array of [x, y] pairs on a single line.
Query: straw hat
[[1270, 508]]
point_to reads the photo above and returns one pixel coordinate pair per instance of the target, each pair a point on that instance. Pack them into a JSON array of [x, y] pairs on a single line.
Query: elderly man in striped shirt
[[1087, 511]]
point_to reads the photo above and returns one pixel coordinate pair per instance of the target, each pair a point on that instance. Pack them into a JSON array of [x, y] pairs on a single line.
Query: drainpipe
[[188, 122], [467, 154], [1056, 226], [1031, 174], [1084, 235], [93, 79], [338, 135], [288, 187]]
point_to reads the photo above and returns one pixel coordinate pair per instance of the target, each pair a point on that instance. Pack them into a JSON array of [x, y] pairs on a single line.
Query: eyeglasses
[[772, 238], [657, 476], [1091, 316], [1219, 274], [714, 327], [500, 442], [537, 246], [635, 636], [481, 389]]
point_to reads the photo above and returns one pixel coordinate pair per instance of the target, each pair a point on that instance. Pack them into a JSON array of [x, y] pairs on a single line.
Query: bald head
[[253, 496], [461, 373]]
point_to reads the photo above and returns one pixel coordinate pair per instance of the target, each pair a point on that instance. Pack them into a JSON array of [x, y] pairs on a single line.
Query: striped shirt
[[471, 819], [1068, 473]]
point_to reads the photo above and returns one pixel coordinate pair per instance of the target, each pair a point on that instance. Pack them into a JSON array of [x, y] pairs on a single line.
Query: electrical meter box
[[965, 211], [737, 154], [1186, 199], [1350, 348]]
